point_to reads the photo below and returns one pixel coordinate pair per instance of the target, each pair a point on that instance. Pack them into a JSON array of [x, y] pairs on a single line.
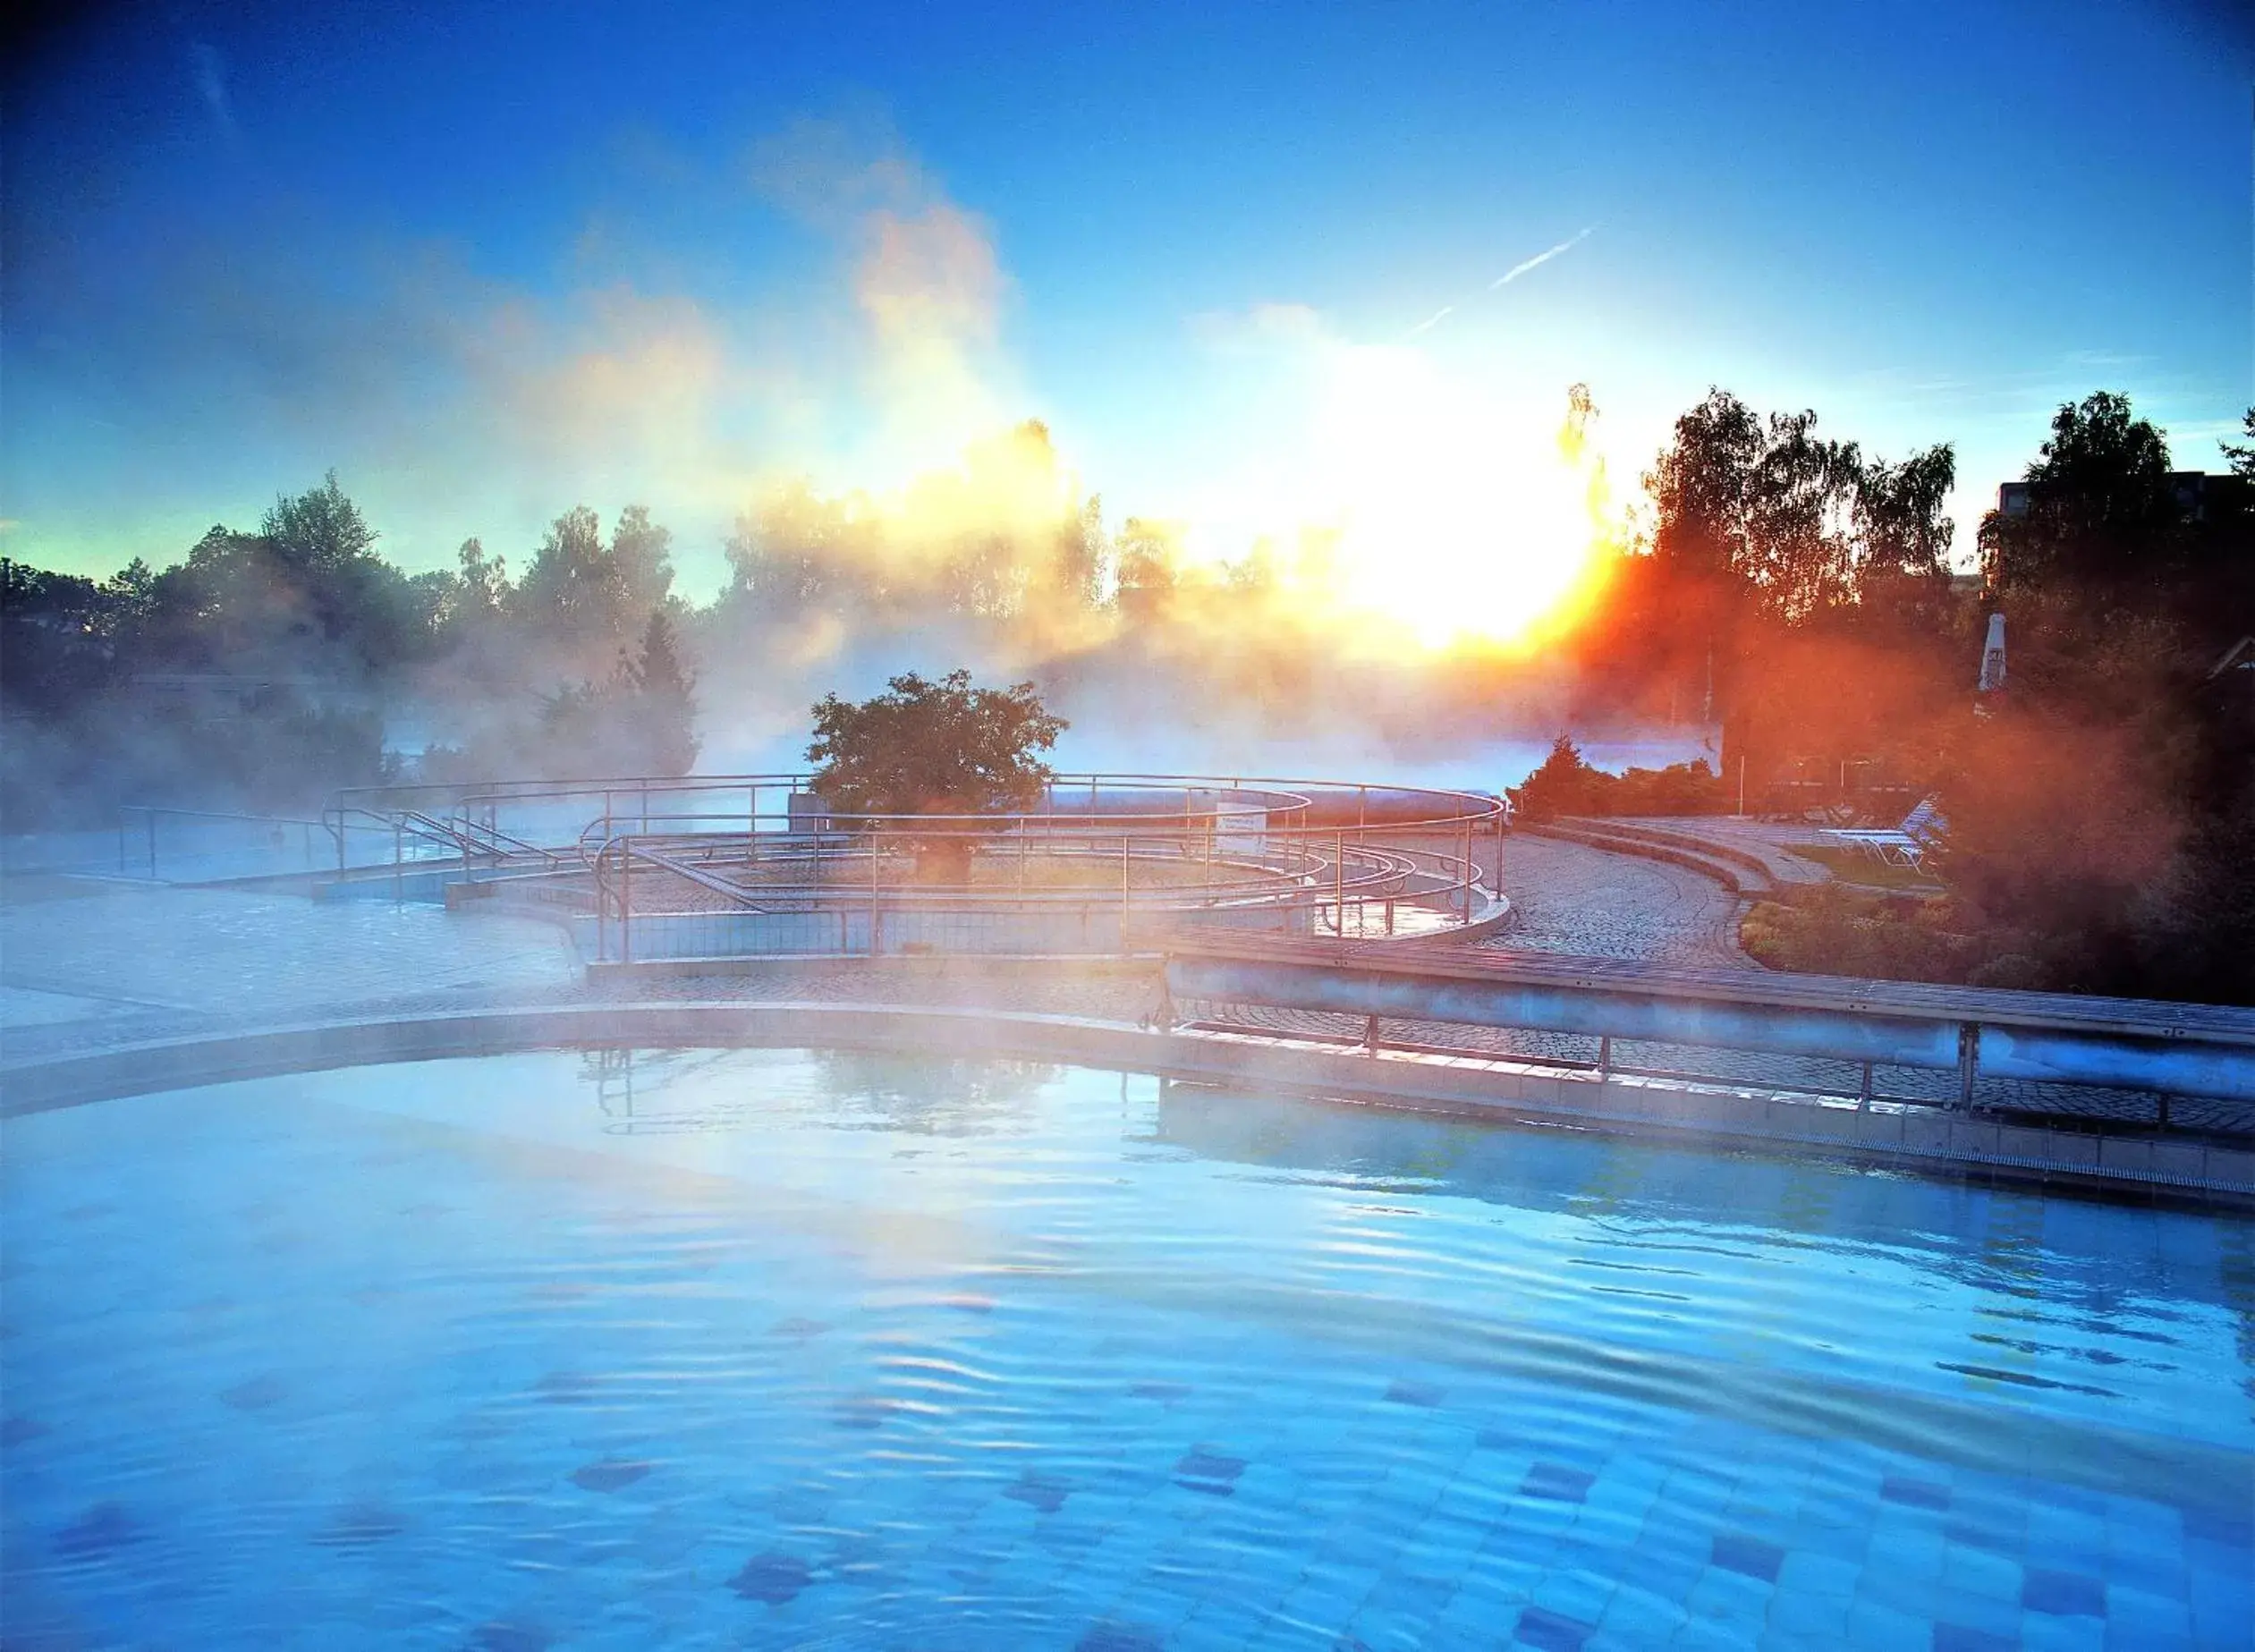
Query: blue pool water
[[698, 1349]]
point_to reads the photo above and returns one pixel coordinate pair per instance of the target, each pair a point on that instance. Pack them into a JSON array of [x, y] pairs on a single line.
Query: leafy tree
[[2241, 456], [485, 582], [319, 528], [1147, 559], [981, 578], [793, 553], [660, 710], [1078, 559], [1903, 576], [590, 599], [1563, 785], [641, 721], [640, 574], [2101, 517], [565, 588], [924, 747]]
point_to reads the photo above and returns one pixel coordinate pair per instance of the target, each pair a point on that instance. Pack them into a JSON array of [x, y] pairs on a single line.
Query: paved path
[[1572, 898], [1770, 842]]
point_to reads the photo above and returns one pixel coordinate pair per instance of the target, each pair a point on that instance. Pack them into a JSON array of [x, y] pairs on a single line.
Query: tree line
[[2101, 808], [1786, 582]]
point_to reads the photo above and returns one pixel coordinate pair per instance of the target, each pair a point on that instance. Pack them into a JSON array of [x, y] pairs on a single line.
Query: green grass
[[1853, 866]]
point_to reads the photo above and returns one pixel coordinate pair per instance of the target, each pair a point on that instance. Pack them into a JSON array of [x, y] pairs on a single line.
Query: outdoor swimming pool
[[697, 1349]]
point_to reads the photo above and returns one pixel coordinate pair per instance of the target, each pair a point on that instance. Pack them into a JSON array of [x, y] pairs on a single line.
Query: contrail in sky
[[1507, 278], [1540, 258], [211, 84]]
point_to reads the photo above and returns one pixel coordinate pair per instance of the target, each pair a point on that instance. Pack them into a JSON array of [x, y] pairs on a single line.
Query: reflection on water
[[655, 1091], [679, 1348]]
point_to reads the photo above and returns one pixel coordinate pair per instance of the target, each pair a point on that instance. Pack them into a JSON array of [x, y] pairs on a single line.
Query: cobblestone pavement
[[1571, 898], [96, 966]]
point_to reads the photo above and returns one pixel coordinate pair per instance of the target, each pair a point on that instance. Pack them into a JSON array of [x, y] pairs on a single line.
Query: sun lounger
[[1906, 845]]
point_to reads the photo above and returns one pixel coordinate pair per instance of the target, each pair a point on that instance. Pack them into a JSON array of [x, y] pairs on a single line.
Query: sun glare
[[1451, 522]]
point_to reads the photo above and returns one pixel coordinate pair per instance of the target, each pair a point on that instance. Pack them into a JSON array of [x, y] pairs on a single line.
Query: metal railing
[[1317, 856], [676, 882], [2165, 1050], [206, 843], [1061, 883]]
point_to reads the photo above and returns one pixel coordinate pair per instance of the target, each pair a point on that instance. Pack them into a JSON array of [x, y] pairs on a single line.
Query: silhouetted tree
[[2100, 517], [661, 710], [924, 747]]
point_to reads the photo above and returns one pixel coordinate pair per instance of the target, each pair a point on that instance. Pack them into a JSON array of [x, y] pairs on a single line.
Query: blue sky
[[489, 261]]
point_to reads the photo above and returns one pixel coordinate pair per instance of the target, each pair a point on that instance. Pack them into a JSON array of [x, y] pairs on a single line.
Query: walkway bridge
[[2037, 1048]]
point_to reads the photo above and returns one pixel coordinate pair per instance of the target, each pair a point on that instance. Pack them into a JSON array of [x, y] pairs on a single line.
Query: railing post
[[1605, 1059], [1863, 1094], [877, 842], [1339, 882], [1969, 1056], [398, 854], [626, 901]]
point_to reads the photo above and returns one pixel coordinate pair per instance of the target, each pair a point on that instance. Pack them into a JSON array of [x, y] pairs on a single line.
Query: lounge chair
[[1907, 845]]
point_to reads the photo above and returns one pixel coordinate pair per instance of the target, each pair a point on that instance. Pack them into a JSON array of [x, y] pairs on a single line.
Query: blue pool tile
[[2135, 1618], [1979, 1571], [1875, 1628], [1960, 1532], [1917, 1494], [774, 1578], [1166, 1394], [2230, 1528], [1753, 1556], [864, 1411], [1577, 1593], [1963, 1637], [2063, 1593], [2041, 1632], [255, 1395], [502, 1636], [1802, 1618], [1550, 1632], [358, 1527], [1557, 1482], [1200, 1464], [1731, 1600], [1638, 1615], [98, 1533], [1045, 1492], [610, 1474], [1408, 1393], [1114, 1636], [1810, 1572]]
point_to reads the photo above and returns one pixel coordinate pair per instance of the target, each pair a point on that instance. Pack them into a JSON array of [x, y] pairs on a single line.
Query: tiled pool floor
[[769, 1349]]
